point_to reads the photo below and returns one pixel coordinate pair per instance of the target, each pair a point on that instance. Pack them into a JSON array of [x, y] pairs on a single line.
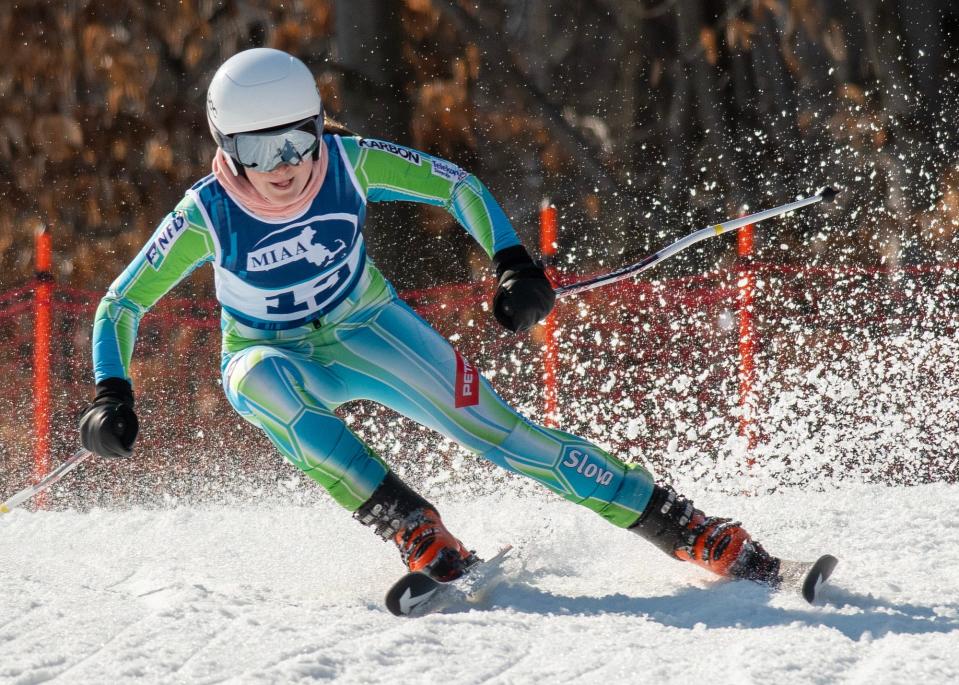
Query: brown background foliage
[[639, 119]]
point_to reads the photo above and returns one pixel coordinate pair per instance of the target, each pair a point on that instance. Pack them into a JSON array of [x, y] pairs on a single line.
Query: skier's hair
[[331, 125]]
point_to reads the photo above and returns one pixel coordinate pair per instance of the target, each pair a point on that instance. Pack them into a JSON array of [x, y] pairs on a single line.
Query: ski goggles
[[264, 151]]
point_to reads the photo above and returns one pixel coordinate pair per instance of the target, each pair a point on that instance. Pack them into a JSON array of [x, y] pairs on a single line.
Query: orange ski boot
[[722, 546], [427, 546], [397, 513]]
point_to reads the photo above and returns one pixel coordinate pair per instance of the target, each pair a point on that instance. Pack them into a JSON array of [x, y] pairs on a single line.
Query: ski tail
[[409, 592], [417, 593]]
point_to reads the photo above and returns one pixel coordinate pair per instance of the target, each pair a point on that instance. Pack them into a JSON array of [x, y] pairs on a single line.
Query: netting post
[[43, 325], [547, 246], [747, 338]]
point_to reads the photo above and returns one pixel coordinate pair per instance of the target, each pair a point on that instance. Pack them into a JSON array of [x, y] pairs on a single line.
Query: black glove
[[525, 295], [109, 426]]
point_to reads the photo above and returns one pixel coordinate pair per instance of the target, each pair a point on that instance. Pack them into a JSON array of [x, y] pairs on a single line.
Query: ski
[[807, 577], [417, 594]]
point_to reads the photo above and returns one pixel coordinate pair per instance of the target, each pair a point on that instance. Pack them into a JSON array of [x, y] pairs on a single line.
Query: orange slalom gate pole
[[43, 326], [747, 338], [547, 245]]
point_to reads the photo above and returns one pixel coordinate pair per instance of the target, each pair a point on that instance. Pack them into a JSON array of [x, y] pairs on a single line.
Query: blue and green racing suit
[[309, 323]]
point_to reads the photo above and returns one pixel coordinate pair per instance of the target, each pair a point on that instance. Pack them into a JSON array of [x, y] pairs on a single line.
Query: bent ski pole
[[45, 482], [825, 195]]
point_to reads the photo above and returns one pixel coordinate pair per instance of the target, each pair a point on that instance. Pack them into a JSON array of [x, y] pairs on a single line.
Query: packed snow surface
[[277, 593]]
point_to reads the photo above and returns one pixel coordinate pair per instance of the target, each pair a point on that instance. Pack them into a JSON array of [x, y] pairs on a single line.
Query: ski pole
[[647, 262], [63, 469]]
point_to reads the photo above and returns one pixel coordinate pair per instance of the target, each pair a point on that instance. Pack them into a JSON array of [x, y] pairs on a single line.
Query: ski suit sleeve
[[388, 172], [180, 243]]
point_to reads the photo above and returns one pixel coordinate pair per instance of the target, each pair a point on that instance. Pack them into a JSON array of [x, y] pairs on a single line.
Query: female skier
[[309, 323]]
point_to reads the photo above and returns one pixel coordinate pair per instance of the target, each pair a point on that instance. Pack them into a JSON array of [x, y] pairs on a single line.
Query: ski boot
[[716, 544], [399, 514]]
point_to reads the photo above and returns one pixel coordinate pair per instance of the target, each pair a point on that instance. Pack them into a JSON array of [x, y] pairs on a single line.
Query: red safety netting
[[854, 378]]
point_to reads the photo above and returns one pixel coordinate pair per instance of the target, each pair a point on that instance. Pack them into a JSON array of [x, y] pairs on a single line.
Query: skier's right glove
[[109, 426], [524, 295]]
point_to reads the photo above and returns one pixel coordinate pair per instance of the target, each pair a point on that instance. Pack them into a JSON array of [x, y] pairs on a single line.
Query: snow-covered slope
[[285, 594]]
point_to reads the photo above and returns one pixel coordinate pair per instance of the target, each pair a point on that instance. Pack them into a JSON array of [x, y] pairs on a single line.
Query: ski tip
[[818, 574], [828, 194]]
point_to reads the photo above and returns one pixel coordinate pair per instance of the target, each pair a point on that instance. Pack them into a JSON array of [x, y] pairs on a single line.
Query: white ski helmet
[[259, 89]]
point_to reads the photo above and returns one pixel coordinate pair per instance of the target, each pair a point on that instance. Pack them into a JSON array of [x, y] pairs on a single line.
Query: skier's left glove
[[109, 426], [525, 295]]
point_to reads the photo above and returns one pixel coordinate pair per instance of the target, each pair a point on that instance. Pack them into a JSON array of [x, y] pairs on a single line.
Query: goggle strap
[[232, 164]]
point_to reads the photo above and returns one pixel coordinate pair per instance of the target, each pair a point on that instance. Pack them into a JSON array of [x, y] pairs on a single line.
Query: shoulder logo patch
[[449, 171], [410, 156], [165, 236]]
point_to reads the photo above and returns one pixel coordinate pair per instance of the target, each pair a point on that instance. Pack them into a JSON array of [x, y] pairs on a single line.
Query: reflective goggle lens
[[265, 152]]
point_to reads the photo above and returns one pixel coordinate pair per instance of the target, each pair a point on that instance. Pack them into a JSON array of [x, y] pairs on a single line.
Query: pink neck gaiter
[[243, 191]]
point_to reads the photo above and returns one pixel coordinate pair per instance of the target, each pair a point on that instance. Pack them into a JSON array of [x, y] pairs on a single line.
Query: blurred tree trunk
[[679, 132], [884, 62], [775, 88], [368, 48], [629, 87], [922, 28], [497, 56], [705, 91]]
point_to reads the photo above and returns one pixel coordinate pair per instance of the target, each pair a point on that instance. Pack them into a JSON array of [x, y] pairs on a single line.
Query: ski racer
[[309, 323]]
